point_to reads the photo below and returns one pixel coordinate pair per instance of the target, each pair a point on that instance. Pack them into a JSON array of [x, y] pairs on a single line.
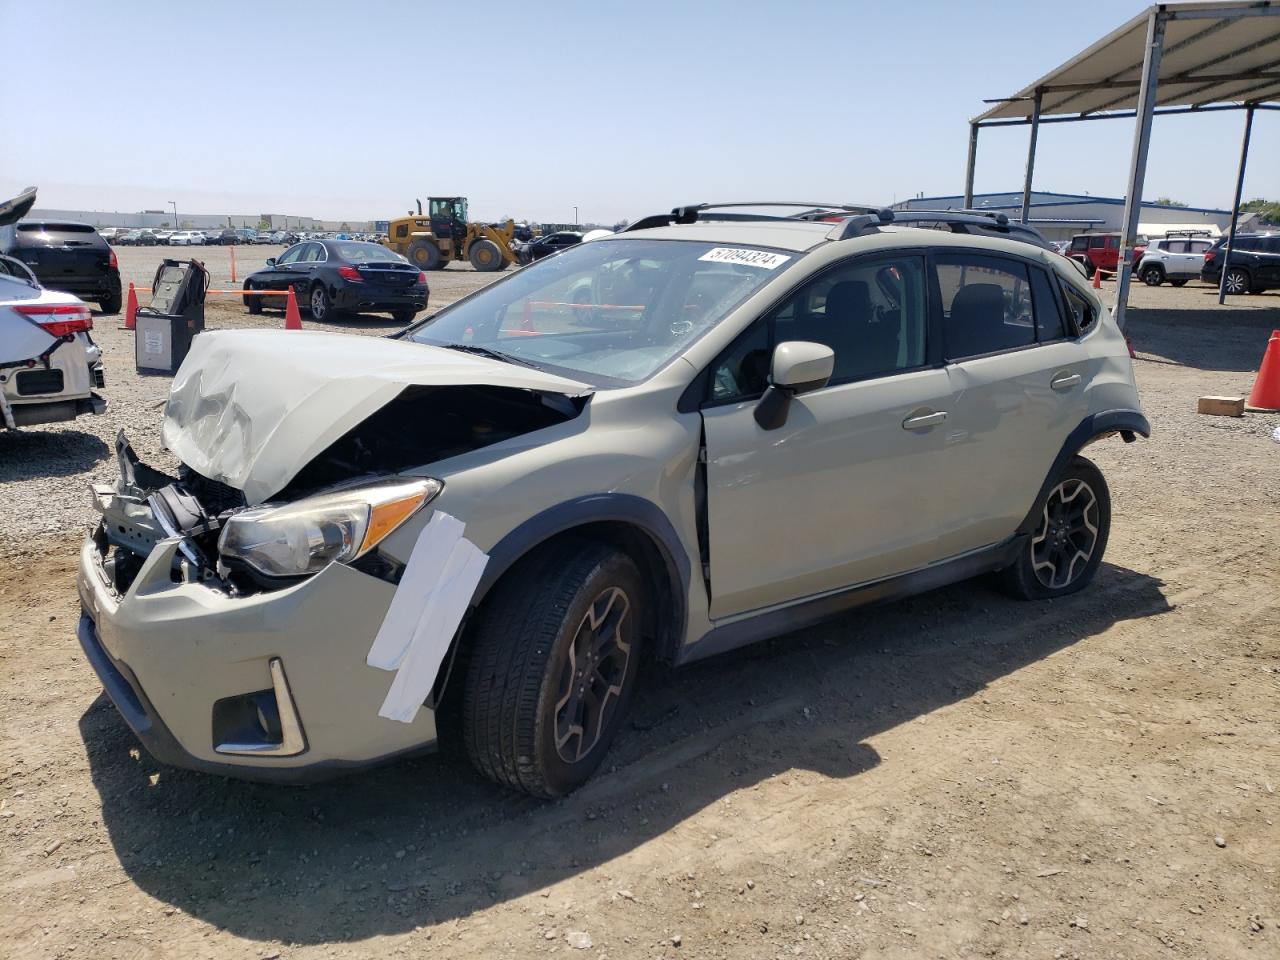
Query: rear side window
[[1081, 310], [986, 305]]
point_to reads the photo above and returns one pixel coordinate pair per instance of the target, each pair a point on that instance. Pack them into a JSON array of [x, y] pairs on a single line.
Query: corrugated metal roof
[[1215, 51]]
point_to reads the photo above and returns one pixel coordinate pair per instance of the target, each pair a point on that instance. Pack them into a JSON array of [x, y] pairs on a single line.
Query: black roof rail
[[861, 224], [1188, 233], [692, 213]]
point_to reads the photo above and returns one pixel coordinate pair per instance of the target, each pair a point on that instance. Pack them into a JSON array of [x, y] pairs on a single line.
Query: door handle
[[924, 421], [1065, 381]]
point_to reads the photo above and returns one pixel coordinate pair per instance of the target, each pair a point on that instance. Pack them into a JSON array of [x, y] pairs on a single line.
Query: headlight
[[305, 537]]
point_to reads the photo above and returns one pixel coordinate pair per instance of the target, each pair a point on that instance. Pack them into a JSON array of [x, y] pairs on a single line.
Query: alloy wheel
[[1062, 547], [1237, 281], [319, 303], [594, 672]]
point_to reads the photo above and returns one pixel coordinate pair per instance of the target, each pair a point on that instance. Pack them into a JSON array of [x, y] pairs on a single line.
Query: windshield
[[615, 310]]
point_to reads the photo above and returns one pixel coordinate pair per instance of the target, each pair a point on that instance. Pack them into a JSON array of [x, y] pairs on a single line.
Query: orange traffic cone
[[1097, 279], [131, 309], [292, 319], [1265, 395]]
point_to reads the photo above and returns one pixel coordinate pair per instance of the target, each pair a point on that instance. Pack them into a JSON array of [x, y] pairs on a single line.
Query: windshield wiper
[[492, 354]]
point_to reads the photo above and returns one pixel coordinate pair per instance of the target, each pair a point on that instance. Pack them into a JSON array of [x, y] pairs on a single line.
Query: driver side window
[[871, 313]]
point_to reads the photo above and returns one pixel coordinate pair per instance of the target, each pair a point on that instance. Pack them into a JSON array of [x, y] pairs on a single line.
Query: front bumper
[[168, 651]]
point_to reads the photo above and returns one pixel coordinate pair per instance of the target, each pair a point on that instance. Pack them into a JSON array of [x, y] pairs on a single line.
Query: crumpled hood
[[250, 408]]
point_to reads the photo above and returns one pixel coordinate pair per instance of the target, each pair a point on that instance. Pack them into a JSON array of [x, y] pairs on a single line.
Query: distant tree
[[1167, 202], [1269, 210]]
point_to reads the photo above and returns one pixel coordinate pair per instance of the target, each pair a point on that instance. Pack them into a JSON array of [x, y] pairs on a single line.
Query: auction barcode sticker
[[746, 258]]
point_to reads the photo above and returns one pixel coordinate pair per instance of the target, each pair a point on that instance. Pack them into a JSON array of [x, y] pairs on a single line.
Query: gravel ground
[[44, 470], [956, 775]]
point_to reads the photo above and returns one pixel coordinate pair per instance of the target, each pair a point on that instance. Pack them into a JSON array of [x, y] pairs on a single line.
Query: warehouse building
[[1060, 216]]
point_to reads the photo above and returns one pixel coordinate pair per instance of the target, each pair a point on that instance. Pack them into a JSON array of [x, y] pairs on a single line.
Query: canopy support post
[[968, 170], [1031, 155], [1138, 162], [1235, 207]]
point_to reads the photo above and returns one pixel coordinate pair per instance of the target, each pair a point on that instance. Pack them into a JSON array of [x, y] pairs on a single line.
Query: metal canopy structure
[[1195, 57]]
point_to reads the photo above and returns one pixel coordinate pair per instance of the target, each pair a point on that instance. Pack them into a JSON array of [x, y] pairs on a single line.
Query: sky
[[342, 110]]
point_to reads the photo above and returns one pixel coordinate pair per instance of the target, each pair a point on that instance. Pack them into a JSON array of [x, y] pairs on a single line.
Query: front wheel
[[553, 667], [1237, 281], [1153, 276], [485, 256], [1070, 537], [1178, 283], [252, 304]]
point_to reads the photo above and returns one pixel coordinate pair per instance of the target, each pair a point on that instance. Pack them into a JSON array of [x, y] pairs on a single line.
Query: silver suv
[[1177, 257], [705, 430]]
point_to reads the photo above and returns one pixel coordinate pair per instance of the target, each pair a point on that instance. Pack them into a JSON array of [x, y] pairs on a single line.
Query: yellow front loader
[[444, 234]]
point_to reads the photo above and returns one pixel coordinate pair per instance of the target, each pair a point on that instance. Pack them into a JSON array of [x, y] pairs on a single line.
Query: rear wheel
[[485, 256], [111, 303], [553, 667], [1237, 281], [320, 304], [252, 304], [1070, 537], [404, 315], [1153, 276], [1178, 283], [424, 255]]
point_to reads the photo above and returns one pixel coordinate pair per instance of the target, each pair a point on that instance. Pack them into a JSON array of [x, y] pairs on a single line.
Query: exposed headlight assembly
[[300, 538]]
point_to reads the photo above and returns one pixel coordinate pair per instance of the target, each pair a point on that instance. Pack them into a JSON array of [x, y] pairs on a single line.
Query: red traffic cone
[[1265, 395], [1097, 279], [131, 308], [292, 319]]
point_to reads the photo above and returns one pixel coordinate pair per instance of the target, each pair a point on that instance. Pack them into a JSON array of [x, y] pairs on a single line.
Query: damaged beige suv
[[705, 430]]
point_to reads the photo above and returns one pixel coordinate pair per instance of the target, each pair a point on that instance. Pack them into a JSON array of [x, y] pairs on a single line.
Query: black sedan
[[541, 247], [333, 277]]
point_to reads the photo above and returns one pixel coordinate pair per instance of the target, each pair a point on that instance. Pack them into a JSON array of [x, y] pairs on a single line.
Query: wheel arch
[[1130, 424], [632, 524]]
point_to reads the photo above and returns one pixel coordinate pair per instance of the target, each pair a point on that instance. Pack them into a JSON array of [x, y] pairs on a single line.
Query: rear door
[[1268, 258], [1016, 382], [842, 492]]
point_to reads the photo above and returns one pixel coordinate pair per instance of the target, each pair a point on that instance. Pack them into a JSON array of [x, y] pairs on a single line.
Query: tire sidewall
[[327, 312], [560, 776]]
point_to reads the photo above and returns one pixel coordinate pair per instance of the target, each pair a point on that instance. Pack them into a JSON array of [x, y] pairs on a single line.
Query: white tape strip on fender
[[430, 601]]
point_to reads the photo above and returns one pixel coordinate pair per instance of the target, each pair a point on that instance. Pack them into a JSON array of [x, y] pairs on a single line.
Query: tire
[[1238, 281], [252, 304], [404, 315], [111, 304], [424, 255], [1153, 276], [485, 256], [1178, 283], [524, 725], [320, 304], [1088, 267], [1039, 574]]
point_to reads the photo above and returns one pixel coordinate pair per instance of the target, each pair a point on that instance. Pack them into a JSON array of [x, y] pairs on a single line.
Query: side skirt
[[806, 613]]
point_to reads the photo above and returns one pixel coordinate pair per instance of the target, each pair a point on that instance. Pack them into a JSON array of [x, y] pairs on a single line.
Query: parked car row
[[145, 237]]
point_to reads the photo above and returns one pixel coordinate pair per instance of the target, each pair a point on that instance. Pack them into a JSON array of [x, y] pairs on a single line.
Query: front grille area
[[32, 382]]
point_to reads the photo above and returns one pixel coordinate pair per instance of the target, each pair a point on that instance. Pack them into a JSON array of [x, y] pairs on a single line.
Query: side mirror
[[798, 366], [271, 261]]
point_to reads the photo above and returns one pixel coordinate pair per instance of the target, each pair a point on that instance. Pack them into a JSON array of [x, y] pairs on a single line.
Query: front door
[[841, 493]]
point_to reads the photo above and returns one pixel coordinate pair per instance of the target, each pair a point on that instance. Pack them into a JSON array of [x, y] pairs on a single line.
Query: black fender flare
[[636, 512], [1128, 423]]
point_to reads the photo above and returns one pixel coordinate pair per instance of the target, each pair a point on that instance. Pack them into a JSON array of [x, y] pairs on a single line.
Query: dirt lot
[[955, 775]]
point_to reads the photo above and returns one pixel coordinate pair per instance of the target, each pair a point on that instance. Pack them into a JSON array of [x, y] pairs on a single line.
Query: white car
[[186, 238], [49, 364], [1175, 257]]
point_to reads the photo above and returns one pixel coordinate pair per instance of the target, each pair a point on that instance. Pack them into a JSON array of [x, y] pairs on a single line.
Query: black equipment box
[[163, 331]]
